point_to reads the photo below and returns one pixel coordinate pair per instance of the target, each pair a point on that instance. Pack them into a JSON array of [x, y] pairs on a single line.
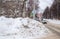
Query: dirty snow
[[21, 28]]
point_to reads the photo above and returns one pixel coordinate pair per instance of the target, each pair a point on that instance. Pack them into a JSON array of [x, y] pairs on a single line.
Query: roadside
[[55, 29]]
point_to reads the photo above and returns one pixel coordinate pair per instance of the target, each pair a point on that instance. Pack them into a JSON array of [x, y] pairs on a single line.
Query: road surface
[[55, 29]]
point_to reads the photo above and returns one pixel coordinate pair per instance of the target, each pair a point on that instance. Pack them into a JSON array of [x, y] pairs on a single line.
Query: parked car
[[44, 21]]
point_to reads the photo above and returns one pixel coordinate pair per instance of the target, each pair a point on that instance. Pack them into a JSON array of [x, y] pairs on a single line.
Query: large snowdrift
[[21, 28]]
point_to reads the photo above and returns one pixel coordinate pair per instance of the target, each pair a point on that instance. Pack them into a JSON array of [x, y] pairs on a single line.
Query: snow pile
[[53, 21], [21, 28]]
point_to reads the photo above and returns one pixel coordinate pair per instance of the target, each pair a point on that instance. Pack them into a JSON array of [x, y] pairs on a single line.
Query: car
[[44, 21]]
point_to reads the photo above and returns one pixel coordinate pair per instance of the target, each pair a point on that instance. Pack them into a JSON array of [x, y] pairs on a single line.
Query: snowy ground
[[21, 28], [53, 21]]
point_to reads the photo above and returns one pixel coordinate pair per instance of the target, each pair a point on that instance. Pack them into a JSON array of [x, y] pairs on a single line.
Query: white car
[[44, 21]]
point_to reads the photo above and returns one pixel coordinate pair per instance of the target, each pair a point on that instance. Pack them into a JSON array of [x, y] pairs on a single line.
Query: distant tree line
[[53, 12]]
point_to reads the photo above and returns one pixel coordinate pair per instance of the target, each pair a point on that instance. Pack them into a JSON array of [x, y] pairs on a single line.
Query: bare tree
[[16, 8]]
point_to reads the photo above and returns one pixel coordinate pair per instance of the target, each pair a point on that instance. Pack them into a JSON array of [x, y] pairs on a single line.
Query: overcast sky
[[44, 3]]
